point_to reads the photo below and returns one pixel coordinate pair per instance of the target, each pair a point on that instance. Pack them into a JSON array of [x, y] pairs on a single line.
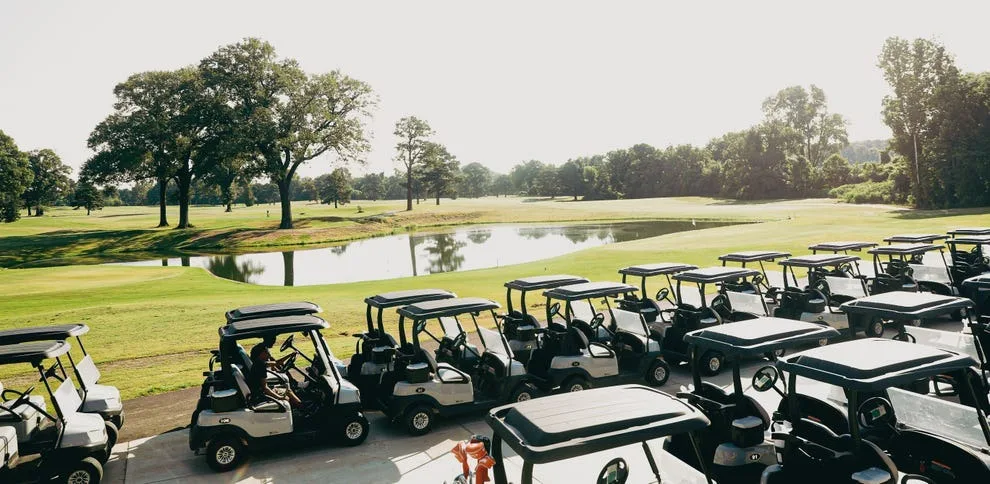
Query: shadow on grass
[[913, 214], [732, 201]]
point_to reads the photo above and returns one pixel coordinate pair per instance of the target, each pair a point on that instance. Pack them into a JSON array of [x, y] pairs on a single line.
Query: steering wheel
[[662, 294], [290, 362], [458, 341], [874, 412], [597, 320], [287, 343], [22, 398], [554, 309], [758, 280], [905, 336], [766, 378]]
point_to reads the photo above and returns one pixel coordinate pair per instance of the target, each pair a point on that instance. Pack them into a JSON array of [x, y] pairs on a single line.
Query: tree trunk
[[184, 181], [438, 197], [229, 207], [29, 209], [39, 211], [162, 215], [283, 195], [335, 203], [917, 170], [409, 188], [87, 211]]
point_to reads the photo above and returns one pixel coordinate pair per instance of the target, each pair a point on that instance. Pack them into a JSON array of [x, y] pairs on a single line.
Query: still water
[[421, 253]]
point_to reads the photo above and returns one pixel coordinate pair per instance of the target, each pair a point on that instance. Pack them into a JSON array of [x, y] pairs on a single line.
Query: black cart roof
[[915, 238], [758, 336], [873, 364], [970, 231], [753, 256], [447, 307], [970, 240], [842, 246], [659, 269], [543, 282], [272, 310], [411, 296], [904, 249], [33, 353], [819, 260], [715, 274], [259, 328], [588, 290], [906, 305], [42, 333], [574, 424]]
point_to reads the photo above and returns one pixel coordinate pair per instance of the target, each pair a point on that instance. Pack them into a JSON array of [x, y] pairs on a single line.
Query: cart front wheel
[[575, 384], [711, 363], [523, 392], [225, 453], [354, 430], [419, 420], [111, 439], [86, 471], [875, 328], [658, 373]]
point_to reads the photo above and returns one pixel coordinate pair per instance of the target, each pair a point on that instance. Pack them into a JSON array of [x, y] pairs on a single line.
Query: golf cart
[[841, 246], [890, 430], [563, 433], [586, 352], [914, 238], [100, 399], [977, 289], [725, 306], [375, 347], [970, 262], [734, 444], [762, 280], [969, 231], [273, 310], [231, 420], [420, 389], [833, 279], [650, 308], [521, 327], [897, 272], [68, 445]]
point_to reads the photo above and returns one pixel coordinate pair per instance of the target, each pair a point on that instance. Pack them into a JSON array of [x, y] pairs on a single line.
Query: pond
[[422, 253]]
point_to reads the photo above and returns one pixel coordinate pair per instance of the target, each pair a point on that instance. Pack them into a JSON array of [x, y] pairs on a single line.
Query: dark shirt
[[256, 380]]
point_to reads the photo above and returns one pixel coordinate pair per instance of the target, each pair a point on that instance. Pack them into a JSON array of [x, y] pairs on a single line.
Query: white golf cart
[[843, 246], [520, 326], [651, 309], [69, 445], [833, 279], [233, 420]]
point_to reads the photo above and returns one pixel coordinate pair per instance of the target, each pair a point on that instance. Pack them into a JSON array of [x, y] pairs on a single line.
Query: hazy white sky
[[500, 83]]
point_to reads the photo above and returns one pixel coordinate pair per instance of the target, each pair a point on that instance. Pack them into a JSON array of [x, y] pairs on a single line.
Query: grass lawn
[[152, 326]]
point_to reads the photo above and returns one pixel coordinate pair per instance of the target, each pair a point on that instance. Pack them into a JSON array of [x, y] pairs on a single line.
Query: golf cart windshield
[[846, 286], [958, 342], [493, 342], [940, 417], [746, 302], [450, 327], [629, 322]]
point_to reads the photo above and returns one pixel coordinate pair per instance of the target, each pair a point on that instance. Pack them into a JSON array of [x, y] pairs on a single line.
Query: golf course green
[[152, 327]]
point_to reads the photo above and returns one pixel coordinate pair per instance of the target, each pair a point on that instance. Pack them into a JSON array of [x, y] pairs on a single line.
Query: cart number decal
[[420, 390], [225, 420], [576, 363], [754, 457]]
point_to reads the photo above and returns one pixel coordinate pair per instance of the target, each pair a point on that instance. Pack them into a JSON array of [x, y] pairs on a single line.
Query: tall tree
[[439, 170], [87, 196], [916, 71], [476, 179], [502, 184], [335, 187], [806, 111], [51, 180], [413, 134], [224, 173], [15, 177], [285, 116], [571, 178]]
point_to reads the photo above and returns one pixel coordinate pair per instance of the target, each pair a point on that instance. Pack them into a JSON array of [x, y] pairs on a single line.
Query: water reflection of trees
[[228, 267], [444, 254], [288, 260], [479, 236], [535, 233]]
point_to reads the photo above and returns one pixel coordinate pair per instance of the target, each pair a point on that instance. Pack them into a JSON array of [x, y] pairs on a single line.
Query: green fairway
[[152, 326]]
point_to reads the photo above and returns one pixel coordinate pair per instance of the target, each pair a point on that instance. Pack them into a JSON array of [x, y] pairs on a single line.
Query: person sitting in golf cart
[[257, 379]]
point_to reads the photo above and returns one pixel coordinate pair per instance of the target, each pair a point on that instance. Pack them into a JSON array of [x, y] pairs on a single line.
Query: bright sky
[[500, 83]]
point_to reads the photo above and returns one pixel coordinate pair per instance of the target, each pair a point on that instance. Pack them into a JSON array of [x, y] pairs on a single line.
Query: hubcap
[[714, 364], [354, 430], [226, 455], [420, 420], [659, 373], [523, 397], [878, 328], [577, 387], [79, 477], [822, 342]]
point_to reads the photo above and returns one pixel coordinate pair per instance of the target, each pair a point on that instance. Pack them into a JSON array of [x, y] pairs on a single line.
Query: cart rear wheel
[[86, 471], [354, 430], [575, 384], [523, 392], [658, 373], [419, 420], [112, 434], [711, 363], [874, 328], [225, 452]]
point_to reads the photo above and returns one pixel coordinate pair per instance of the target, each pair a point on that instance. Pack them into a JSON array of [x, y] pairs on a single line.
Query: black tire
[[874, 328], [524, 391], [775, 354], [118, 420], [112, 434], [86, 471], [711, 363], [225, 452], [353, 430], [658, 373], [574, 384], [418, 420], [823, 342]]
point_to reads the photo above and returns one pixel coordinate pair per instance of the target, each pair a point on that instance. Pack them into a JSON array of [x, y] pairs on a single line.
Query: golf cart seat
[[8, 445], [264, 403], [520, 327], [802, 300], [690, 318], [244, 360], [818, 411], [24, 418]]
